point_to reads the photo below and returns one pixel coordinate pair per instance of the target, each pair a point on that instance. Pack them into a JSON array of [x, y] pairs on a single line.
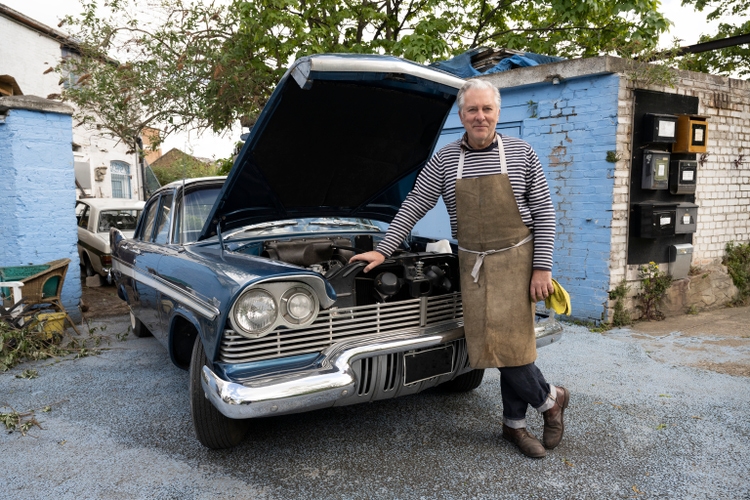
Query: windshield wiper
[[339, 222], [263, 226]]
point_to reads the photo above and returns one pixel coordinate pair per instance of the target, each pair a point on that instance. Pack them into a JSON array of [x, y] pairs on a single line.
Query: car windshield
[[307, 225], [124, 220]]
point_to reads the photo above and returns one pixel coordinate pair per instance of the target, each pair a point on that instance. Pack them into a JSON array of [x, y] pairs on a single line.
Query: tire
[[139, 329], [464, 383], [87, 267], [212, 428]]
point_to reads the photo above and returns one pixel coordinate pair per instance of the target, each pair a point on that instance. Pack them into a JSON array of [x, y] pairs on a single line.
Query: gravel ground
[[636, 428]]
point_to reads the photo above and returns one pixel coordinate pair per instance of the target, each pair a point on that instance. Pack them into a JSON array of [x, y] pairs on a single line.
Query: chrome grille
[[335, 325]]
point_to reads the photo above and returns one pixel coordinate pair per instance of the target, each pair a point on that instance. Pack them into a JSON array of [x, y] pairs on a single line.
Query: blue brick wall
[[37, 195], [571, 126]]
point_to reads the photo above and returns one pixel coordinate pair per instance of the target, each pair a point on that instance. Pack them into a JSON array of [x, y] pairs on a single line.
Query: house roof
[[35, 25], [174, 155]]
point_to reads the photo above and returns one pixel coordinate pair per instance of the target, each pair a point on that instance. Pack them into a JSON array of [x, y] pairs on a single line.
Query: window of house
[[120, 175]]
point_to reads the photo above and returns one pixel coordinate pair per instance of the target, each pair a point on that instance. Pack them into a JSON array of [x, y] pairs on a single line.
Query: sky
[[688, 26]]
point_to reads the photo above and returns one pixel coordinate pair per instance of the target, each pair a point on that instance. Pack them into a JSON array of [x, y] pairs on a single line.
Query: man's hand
[[373, 259], [541, 285]]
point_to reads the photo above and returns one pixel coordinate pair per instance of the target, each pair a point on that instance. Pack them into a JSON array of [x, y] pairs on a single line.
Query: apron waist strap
[[482, 255]]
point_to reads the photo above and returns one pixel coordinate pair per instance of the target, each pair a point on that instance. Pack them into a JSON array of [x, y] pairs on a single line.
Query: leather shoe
[[526, 442], [553, 419]]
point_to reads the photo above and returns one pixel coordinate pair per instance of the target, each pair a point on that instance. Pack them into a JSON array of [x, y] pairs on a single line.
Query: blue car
[[246, 281]]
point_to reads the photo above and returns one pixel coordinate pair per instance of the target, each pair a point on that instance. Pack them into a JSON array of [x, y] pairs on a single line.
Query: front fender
[[184, 329]]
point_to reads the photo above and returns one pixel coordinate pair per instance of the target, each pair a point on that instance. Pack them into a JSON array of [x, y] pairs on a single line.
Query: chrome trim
[[276, 290], [337, 325], [333, 379], [331, 63], [199, 305], [346, 373], [317, 283]]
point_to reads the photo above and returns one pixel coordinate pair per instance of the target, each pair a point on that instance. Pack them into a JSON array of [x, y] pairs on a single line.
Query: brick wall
[[37, 188], [723, 179], [572, 125]]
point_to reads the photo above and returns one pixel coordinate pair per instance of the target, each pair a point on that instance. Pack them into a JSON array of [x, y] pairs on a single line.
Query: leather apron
[[496, 258]]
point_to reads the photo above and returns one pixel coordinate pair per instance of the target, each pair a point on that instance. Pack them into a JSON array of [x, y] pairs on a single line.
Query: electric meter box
[[680, 258], [659, 128], [686, 218], [654, 219], [655, 170], [682, 176], [692, 134]]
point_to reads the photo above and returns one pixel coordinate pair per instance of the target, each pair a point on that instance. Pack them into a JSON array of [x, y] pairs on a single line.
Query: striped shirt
[[438, 178]]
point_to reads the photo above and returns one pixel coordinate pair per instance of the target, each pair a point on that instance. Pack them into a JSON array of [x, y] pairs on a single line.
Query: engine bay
[[407, 274]]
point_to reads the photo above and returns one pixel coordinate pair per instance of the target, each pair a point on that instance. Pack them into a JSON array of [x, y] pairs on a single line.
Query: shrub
[[654, 286], [737, 260], [621, 316]]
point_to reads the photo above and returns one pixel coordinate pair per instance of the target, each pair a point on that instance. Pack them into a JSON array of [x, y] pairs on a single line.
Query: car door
[[141, 257]]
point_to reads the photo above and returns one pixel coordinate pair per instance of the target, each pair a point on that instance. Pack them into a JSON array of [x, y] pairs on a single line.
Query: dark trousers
[[522, 386]]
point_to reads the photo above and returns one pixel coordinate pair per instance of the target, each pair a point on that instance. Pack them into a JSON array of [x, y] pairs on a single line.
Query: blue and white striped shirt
[[438, 178]]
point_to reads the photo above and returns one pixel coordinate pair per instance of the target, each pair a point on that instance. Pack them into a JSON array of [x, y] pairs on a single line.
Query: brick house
[[104, 168]]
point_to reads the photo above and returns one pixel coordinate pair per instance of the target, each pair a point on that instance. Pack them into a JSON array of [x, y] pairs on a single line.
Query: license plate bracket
[[427, 364]]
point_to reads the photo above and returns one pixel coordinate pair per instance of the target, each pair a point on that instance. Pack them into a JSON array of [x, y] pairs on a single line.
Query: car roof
[[112, 203]]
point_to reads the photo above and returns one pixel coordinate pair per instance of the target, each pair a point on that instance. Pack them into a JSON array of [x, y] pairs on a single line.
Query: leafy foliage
[[34, 343], [183, 168], [621, 316], [188, 64], [730, 59], [737, 260], [654, 286]]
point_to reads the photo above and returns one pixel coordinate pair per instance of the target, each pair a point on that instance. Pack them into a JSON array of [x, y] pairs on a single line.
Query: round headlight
[[255, 311], [298, 305]]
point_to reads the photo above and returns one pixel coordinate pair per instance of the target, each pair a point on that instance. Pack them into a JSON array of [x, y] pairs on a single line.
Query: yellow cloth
[[559, 300]]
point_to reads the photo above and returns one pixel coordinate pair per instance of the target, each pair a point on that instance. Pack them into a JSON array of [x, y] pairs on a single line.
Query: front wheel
[[212, 428], [464, 383]]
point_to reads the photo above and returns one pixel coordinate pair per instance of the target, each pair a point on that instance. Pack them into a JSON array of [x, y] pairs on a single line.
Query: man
[[502, 215]]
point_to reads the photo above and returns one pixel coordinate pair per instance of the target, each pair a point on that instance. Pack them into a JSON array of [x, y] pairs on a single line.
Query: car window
[[164, 219], [148, 221], [195, 212], [83, 218], [124, 220]]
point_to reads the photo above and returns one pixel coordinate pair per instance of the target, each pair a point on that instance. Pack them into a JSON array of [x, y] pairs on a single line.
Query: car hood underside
[[340, 136]]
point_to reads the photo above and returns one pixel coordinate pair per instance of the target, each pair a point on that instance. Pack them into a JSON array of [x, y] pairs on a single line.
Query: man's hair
[[479, 85]]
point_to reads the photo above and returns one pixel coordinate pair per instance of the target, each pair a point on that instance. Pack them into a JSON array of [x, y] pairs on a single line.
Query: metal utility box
[[659, 128], [686, 218], [654, 219], [680, 258], [655, 169], [682, 176], [692, 134]]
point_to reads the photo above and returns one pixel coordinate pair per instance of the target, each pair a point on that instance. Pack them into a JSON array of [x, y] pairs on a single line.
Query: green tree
[[189, 64], [729, 60], [185, 167]]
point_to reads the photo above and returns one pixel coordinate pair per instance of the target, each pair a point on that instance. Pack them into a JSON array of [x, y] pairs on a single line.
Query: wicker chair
[[44, 288]]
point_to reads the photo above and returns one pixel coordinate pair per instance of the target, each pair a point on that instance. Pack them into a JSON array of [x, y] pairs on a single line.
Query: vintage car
[[247, 281], [95, 217]]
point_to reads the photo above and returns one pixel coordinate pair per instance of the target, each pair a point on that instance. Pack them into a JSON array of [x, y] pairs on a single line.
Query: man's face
[[479, 116]]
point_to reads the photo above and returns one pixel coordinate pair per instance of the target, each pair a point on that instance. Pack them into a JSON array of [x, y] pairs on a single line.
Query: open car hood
[[341, 136]]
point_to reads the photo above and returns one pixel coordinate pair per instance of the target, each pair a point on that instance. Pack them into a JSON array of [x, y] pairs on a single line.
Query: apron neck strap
[[500, 153]]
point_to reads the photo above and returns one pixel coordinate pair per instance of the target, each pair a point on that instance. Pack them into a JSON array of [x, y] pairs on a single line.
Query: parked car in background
[[95, 217], [247, 281]]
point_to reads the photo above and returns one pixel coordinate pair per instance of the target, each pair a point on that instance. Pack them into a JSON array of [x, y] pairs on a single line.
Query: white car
[[96, 216]]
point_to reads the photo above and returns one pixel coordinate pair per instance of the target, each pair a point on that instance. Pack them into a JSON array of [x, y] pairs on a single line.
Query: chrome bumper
[[333, 380]]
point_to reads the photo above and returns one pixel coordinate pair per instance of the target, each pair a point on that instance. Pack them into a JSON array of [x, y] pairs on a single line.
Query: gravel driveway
[[636, 428]]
